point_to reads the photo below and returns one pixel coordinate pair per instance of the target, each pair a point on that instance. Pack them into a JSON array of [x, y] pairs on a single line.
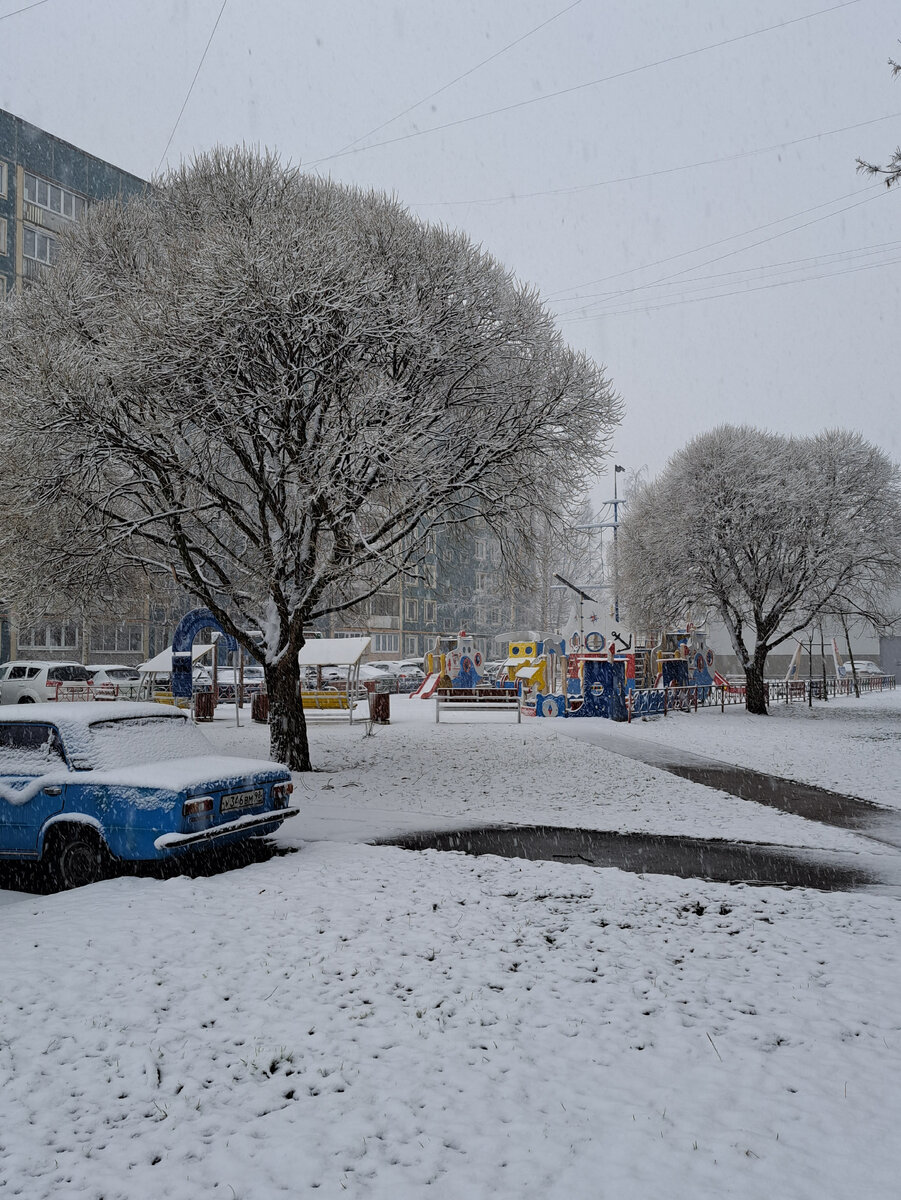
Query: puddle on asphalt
[[639, 853], [787, 795]]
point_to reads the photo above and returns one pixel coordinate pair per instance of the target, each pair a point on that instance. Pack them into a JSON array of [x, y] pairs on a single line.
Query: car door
[[32, 784], [11, 682]]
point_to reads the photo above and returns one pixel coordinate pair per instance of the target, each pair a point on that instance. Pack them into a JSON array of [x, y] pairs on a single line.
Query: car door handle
[[52, 789]]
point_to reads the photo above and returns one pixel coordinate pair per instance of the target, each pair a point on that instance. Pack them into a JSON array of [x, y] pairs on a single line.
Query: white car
[[113, 681], [37, 682], [865, 666]]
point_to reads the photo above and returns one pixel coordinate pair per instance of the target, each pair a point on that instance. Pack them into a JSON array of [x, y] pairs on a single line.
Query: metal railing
[[660, 701]]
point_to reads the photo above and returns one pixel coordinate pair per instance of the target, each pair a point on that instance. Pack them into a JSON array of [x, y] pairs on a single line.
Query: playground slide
[[427, 688]]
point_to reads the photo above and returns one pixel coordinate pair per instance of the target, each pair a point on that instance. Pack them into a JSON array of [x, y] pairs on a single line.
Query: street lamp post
[[616, 471]]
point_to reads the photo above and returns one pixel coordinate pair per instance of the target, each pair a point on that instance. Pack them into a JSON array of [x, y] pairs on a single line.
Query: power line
[[191, 88], [27, 8], [725, 295], [752, 246], [707, 246], [704, 162], [444, 87], [578, 87], [730, 277]]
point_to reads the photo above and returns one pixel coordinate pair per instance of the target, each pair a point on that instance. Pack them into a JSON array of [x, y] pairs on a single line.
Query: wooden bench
[[478, 700], [324, 699]]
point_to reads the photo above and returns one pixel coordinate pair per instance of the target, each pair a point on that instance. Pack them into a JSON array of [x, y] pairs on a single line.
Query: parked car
[[864, 666], [85, 785], [36, 682], [112, 681], [227, 681]]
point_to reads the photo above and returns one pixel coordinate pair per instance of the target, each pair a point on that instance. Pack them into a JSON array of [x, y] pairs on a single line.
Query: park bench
[[477, 700]]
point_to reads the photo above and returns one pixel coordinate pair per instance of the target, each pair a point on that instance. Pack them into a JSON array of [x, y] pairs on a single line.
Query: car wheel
[[76, 857], [26, 700]]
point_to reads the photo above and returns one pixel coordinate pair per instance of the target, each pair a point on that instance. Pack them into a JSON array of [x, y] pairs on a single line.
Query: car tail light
[[200, 804], [280, 793]]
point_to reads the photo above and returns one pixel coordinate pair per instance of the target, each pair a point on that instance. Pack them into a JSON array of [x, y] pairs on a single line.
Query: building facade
[[45, 184]]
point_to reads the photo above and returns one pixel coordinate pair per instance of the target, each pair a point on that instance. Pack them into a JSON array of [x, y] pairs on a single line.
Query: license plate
[[235, 800]]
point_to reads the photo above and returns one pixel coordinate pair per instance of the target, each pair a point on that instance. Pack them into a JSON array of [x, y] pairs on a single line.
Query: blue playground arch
[[182, 641]]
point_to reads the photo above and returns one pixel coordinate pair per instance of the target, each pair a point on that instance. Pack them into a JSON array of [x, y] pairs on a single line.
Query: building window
[[3, 248], [386, 642], [2, 287], [483, 581], [481, 550], [3, 178], [411, 645], [412, 610], [54, 636], [117, 638], [39, 246], [429, 611], [384, 605], [53, 198]]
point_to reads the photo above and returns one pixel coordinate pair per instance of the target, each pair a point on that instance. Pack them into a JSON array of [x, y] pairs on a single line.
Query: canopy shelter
[[332, 652], [161, 664]]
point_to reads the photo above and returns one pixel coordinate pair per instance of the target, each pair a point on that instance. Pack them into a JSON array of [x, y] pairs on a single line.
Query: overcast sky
[[631, 159]]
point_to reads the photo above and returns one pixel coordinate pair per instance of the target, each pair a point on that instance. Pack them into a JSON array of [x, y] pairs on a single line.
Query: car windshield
[[67, 674], [29, 749], [135, 740]]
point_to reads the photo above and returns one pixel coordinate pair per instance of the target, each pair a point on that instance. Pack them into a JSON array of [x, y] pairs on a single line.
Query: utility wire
[[191, 88], [707, 246], [578, 87], [444, 87], [728, 278], [27, 8], [742, 249], [725, 295], [704, 162], [752, 275]]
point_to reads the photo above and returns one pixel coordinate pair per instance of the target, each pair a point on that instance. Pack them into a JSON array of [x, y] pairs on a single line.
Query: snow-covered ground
[[366, 1021], [851, 746]]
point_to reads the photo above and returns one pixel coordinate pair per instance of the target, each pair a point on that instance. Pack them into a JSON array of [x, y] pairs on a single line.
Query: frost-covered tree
[[769, 533], [890, 171], [271, 388]]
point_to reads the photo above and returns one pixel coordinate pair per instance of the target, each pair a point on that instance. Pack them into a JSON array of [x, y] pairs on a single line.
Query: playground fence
[[656, 701]]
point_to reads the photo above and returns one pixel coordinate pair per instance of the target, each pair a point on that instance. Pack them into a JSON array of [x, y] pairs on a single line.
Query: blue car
[[84, 785]]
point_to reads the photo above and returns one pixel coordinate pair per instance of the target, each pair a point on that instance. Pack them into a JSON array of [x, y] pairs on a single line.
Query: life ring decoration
[[477, 658], [465, 663], [700, 662], [597, 689], [549, 707], [594, 642]]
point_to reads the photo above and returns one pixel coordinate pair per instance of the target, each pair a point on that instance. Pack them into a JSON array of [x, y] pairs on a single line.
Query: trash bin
[[380, 703], [204, 706], [259, 708]]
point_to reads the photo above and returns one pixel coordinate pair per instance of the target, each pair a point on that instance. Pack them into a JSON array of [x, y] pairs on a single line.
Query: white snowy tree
[[271, 388], [890, 171], [770, 533]]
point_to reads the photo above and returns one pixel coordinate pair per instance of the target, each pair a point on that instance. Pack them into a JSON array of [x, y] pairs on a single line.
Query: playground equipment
[[453, 662], [618, 677]]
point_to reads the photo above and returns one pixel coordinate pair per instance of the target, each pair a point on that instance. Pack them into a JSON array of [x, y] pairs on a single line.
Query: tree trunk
[[288, 740], [755, 687], [851, 658]]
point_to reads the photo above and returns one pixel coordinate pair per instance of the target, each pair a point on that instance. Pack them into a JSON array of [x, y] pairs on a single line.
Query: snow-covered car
[[112, 681], [864, 666], [84, 785], [227, 681], [26, 682]]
